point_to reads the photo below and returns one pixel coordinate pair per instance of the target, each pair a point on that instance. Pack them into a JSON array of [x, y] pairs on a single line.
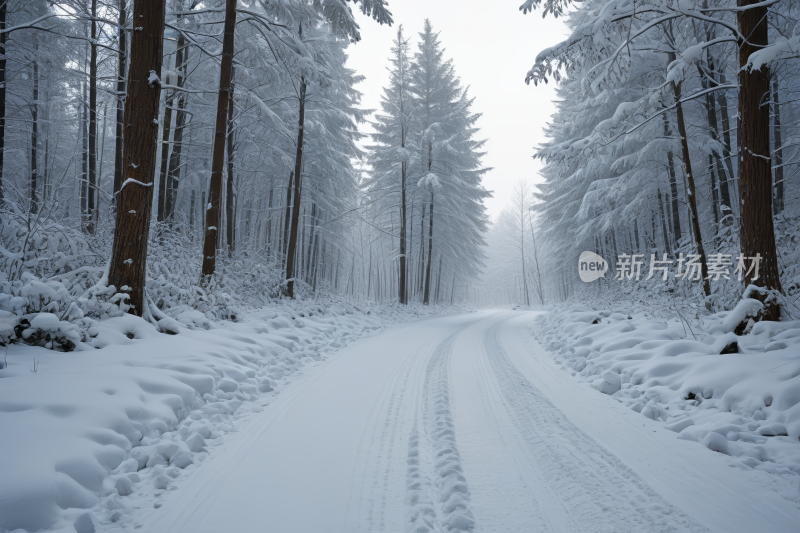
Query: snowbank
[[90, 434], [737, 395]]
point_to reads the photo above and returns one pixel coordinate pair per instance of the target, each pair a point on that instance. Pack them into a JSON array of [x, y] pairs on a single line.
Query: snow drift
[[734, 394]]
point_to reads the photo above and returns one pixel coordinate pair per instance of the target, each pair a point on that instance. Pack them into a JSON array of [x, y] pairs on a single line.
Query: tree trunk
[[315, 258], [92, 185], [714, 196], [410, 248], [711, 116], [46, 174], [218, 154], [664, 223], [162, 176], [287, 217], [687, 165], [123, 44], [84, 157], [101, 155], [298, 184], [310, 240], [438, 280], [230, 195], [403, 296], [135, 199], [191, 214], [34, 194], [421, 269], [722, 101], [539, 289], [427, 297], [3, 38], [673, 186], [173, 174], [756, 231], [268, 233], [778, 151]]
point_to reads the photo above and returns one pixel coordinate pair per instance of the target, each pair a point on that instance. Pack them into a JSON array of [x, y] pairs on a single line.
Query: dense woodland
[[177, 154], [676, 132], [222, 164]]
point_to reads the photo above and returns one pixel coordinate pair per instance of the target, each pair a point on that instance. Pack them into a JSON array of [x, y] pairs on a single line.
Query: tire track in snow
[[599, 491], [438, 496], [376, 494]]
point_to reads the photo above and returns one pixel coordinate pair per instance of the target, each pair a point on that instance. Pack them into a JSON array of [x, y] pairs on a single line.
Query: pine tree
[[392, 154]]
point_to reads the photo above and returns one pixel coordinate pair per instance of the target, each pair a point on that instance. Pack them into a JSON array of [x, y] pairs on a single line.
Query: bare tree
[[520, 198]]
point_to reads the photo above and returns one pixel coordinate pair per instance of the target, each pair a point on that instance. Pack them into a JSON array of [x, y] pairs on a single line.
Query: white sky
[[492, 46]]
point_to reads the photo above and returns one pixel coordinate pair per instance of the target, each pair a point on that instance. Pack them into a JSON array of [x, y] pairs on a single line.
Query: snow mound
[[735, 394]]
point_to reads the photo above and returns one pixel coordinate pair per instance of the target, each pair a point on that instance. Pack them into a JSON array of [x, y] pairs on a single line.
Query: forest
[[120, 165], [675, 139], [245, 288]]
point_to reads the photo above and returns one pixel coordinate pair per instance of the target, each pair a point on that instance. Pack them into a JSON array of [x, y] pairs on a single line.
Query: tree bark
[[756, 230], [135, 199], [298, 187], [218, 155], [121, 58]]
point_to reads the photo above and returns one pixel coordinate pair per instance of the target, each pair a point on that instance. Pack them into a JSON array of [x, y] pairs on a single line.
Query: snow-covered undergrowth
[[735, 394], [55, 269], [89, 436]]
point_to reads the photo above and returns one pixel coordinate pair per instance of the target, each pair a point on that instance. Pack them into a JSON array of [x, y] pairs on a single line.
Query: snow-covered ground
[[461, 423], [738, 395], [89, 435]]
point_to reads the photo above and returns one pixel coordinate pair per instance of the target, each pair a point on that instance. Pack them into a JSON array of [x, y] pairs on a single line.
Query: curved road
[[460, 424]]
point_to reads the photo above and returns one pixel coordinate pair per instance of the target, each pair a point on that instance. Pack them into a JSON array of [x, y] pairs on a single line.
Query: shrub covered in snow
[[51, 269]]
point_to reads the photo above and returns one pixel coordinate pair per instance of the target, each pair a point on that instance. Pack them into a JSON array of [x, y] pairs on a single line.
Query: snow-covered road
[[460, 424]]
